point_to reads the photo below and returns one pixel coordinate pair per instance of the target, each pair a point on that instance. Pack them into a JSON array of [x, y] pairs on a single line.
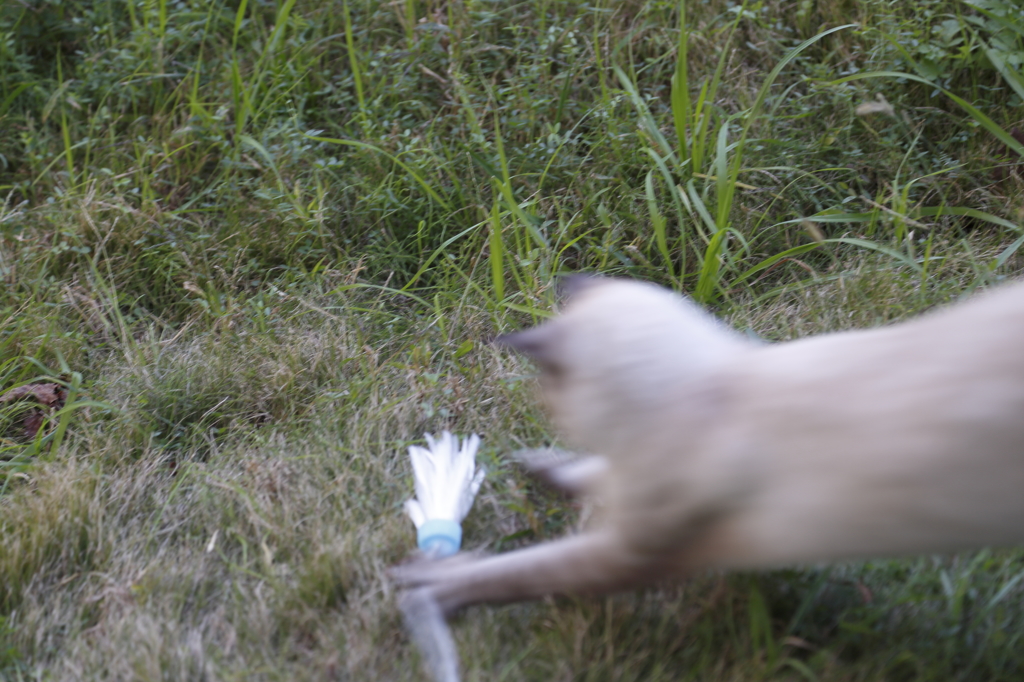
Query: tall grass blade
[[881, 248], [64, 414], [708, 93], [934, 211], [394, 159], [755, 110], [702, 210], [239, 95], [1009, 75], [708, 281], [65, 131], [1007, 253], [5, 105], [761, 627], [724, 184], [496, 254], [701, 122], [269, 52], [658, 223], [1017, 27], [437, 252], [647, 122], [772, 260], [678, 204], [353, 58], [682, 114]]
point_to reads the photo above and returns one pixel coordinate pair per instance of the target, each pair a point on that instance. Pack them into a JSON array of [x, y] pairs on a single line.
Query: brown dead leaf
[[879, 106], [50, 397], [865, 592], [192, 288], [798, 642], [32, 422]]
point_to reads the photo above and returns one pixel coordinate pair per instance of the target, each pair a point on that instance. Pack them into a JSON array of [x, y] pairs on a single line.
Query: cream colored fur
[[718, 452]]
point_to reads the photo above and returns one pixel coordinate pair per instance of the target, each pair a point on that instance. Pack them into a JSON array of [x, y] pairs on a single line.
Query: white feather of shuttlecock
[[446, 478]]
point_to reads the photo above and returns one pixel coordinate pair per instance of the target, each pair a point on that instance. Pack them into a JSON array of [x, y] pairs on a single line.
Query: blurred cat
[[714, 451]]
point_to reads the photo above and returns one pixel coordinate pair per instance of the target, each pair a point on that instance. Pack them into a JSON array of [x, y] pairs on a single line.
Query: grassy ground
[[264, 244]]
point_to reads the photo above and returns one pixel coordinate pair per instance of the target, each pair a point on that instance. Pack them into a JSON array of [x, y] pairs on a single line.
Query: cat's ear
[[570, 285], [540, 344]]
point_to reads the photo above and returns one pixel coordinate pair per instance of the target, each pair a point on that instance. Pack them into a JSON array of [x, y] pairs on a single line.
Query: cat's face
[[616, 355]]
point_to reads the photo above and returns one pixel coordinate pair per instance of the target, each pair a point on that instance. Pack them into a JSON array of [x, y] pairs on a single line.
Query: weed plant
[[264, 245]]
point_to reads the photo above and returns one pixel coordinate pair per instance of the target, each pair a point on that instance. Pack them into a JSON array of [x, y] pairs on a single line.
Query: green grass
[[266, 244]]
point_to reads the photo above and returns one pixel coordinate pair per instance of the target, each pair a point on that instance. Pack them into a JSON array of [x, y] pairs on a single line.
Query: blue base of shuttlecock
[[439, 537]]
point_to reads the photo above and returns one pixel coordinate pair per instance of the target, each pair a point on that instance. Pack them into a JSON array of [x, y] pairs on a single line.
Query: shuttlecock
[[447, 479]]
